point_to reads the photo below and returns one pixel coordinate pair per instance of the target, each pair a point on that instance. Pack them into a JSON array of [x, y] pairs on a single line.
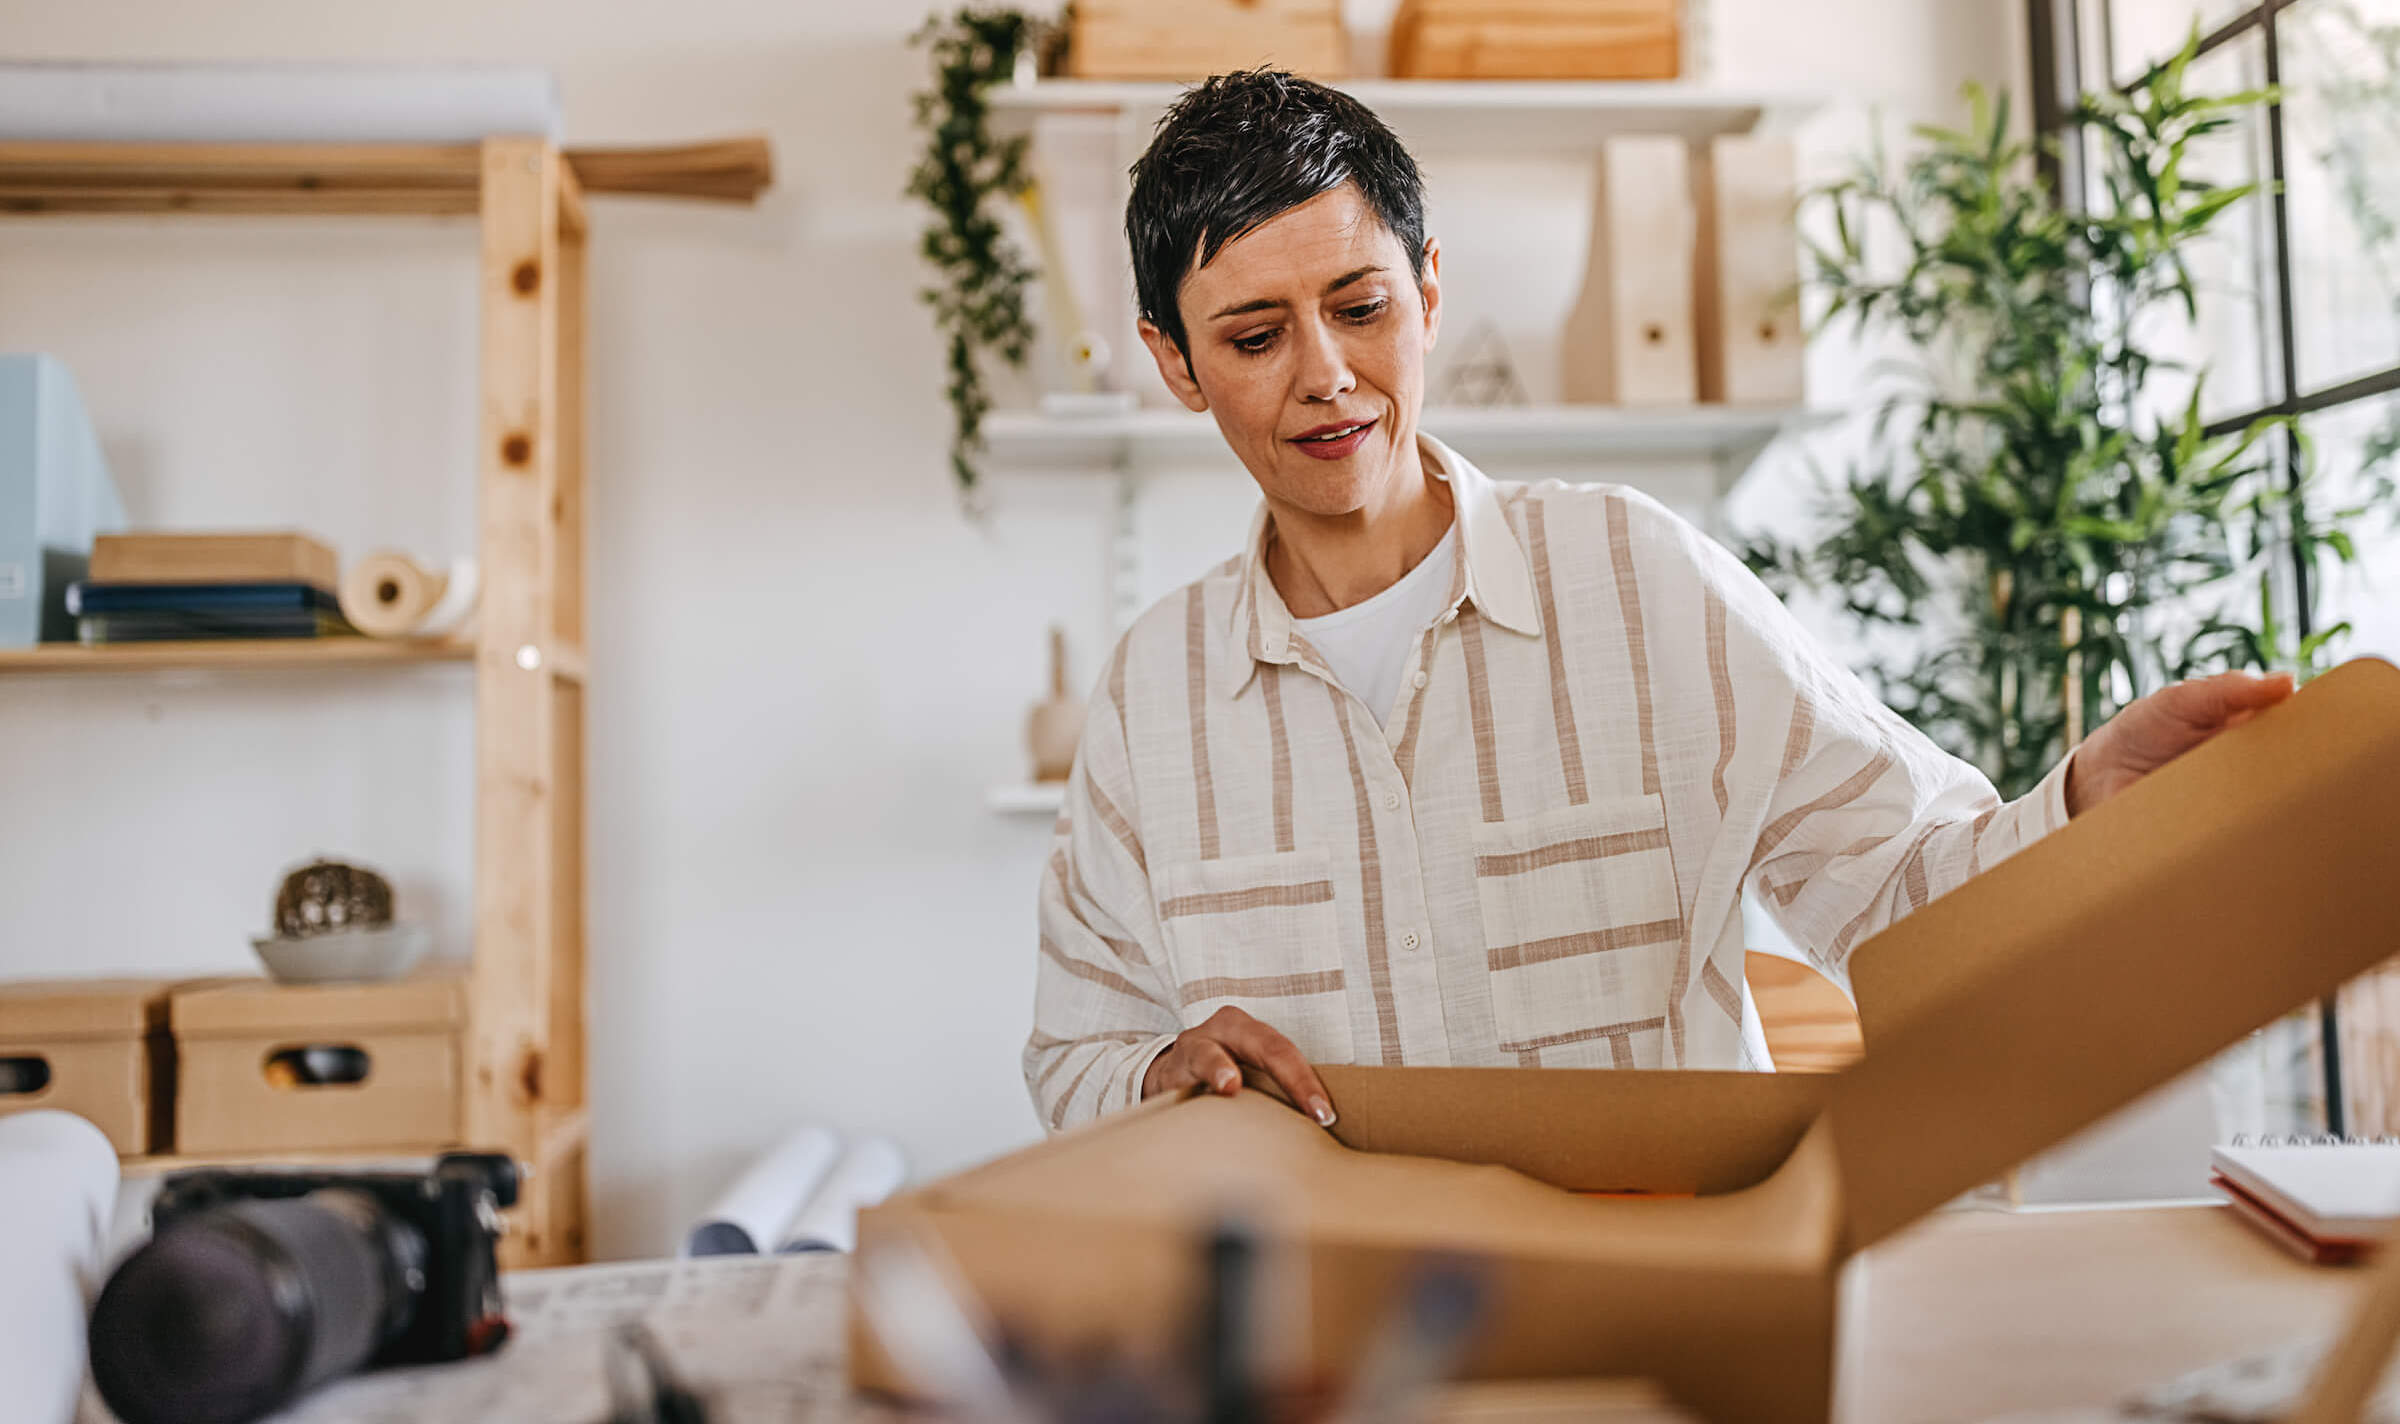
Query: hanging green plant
[[979, 303]]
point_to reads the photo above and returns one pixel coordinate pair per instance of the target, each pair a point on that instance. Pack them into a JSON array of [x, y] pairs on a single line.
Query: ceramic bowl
[[343, 956]]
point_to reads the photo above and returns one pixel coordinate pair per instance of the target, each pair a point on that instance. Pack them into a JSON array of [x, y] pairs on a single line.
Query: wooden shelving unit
[[523, 1067]]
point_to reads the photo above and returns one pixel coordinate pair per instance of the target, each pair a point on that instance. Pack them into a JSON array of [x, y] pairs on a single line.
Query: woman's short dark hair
[[1242, 148]]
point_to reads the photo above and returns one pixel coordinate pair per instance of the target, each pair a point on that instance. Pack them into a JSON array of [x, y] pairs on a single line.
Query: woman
[[1440, 770]]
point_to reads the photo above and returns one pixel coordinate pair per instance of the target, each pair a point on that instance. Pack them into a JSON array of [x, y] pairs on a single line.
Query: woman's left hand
[[2157, 729]]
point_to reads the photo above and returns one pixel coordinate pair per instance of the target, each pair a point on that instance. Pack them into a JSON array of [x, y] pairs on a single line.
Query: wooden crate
[[232, 1095], [1537, 39], [1192, 39], [1752, 348], [100, 1048]]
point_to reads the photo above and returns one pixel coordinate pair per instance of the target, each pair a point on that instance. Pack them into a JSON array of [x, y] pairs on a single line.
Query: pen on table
[[1226, 1364]]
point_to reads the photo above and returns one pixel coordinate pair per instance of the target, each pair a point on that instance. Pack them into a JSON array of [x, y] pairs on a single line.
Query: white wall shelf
[[1457, 115], [1040, 798], [1731, 437], [1689, 457]]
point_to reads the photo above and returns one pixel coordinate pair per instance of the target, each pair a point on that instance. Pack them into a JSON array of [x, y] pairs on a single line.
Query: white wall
[[806, 663]]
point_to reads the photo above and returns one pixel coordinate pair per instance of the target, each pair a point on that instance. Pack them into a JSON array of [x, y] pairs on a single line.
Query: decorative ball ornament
[[326, 895]]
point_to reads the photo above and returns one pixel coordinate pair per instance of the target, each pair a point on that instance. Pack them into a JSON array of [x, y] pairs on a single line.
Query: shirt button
[[1391, 800], [1419, 680], [1409, 940]]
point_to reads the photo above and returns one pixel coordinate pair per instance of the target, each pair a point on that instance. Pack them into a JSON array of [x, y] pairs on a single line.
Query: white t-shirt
[[1368, 643]]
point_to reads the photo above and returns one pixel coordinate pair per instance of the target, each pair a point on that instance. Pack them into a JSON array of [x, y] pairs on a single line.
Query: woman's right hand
[[1215, 1053]]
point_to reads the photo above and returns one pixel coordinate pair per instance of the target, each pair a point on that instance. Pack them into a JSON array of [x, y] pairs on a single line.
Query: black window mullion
[[2329, 1029], [2350, 392]]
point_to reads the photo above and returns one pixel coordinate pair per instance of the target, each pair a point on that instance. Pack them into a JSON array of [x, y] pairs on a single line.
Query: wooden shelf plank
[[233, 654], [159, 1164], [1466, 115], [369, 178]]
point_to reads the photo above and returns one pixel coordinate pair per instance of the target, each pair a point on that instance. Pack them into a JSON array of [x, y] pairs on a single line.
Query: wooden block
[[1192, 39], [93, 1047], [1629, 340], [281, 556], [1747, 316], [238, 1089]]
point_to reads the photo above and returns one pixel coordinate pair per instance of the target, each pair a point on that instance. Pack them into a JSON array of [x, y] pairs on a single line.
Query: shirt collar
[[1493, 574]]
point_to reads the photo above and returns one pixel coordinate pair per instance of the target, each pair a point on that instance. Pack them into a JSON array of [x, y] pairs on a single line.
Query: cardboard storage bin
[[93, 1047], [267, 1067], [1192, 39], [2245, 879]]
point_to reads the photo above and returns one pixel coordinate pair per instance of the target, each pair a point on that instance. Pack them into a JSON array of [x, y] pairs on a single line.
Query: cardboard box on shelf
[[2246, 878], [1536, 39], [93, 1047], [173, 557], [267, 1067], [1192, 39]]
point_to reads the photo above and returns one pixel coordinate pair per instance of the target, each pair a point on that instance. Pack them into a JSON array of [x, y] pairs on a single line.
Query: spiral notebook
[[2327, 1200]]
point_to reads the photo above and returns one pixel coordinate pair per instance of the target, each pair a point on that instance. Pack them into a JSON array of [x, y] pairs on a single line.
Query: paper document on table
[[759, 1338]]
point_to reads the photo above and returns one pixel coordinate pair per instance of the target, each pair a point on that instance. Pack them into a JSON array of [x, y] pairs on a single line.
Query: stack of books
[[147, 588]]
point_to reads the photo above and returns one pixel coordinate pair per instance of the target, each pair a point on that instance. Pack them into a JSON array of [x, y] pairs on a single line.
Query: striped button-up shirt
[[1537, 857]]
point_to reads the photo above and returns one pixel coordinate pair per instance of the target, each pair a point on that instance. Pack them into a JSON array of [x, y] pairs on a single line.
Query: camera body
[[454, 1211]]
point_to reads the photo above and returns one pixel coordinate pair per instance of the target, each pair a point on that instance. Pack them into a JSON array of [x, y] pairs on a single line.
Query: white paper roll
[[869, 1172], [754, 1210], [389, 595], [58, 1194]]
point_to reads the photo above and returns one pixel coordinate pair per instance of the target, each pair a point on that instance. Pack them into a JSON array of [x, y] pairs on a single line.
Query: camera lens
[[238, 1309]]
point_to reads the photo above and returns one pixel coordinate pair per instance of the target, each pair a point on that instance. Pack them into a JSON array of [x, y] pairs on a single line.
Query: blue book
[[55, 494], [88, 598]]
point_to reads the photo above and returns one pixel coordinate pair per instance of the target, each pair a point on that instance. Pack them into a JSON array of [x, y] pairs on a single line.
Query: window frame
[[2070, 47]]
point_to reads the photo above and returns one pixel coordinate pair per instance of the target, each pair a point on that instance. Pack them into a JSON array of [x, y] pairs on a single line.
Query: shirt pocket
[[1261, 933], [1582, 923]]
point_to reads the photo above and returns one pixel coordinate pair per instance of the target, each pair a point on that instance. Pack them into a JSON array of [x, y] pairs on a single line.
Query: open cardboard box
[[2241, 881]]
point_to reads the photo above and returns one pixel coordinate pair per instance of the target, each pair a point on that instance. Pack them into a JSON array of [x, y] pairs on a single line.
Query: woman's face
[[1308, 337]]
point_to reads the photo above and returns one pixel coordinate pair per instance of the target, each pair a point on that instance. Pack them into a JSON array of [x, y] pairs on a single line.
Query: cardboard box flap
[[2241, 881], [1203, 1156], [1584, 1129], [433, 999], [82, 1008]]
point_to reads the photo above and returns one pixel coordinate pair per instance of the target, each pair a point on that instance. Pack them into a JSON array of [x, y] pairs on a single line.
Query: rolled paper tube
[[390, 595], [751, 1214]]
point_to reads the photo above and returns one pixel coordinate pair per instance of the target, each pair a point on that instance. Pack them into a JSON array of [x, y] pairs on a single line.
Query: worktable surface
[[1970, 1315]]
